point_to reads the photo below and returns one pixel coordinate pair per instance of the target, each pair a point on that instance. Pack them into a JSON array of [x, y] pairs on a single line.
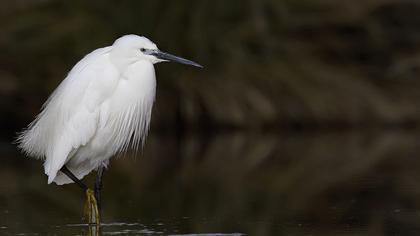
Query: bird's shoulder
[[96, 58], [86, 85]]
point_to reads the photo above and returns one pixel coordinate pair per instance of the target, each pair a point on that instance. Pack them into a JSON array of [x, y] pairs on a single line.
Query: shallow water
[[231, 184]]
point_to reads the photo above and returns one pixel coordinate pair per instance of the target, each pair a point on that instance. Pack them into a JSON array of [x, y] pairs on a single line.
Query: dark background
[[268, 63], [304, 119]]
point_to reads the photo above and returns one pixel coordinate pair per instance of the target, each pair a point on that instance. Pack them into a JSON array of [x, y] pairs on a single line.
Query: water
[[231, 184]]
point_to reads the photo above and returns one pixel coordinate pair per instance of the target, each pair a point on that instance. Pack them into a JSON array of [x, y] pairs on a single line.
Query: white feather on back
[[92, 108], [41, 134]]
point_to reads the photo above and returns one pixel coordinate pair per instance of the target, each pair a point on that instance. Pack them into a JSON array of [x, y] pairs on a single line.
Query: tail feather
[[55, 160]]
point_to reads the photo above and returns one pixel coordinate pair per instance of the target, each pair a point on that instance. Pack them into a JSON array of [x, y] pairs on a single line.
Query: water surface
[[231, 184]]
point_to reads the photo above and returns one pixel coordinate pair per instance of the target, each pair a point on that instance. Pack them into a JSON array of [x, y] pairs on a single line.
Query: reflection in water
[[232, 183], [114, 229], [118, 228]]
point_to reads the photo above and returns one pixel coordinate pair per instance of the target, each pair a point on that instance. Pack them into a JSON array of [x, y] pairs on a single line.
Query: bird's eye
[[142, 49]]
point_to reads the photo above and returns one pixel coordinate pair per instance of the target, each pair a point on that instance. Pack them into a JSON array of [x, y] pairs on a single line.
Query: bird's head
[[132, 48]]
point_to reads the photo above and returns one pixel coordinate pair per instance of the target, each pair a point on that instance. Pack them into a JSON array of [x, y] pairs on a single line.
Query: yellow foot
[[91, 208]]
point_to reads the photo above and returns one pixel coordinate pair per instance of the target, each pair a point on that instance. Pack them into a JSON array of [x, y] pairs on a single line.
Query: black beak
[[169, 57]]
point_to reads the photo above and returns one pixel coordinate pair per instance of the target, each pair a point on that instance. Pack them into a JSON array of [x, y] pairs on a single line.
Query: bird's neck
[[120, 59]]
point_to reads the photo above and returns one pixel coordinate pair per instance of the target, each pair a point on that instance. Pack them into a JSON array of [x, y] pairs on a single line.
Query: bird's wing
[[70, 116]]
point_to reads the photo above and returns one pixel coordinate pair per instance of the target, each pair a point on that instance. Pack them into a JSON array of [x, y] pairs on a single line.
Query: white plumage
[[102, 107]]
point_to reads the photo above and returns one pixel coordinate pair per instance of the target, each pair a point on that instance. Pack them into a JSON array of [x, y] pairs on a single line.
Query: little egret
[[101, 108]]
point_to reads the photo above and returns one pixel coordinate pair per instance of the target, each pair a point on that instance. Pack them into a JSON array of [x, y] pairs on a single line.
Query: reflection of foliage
[[258, 184], [268, 63]]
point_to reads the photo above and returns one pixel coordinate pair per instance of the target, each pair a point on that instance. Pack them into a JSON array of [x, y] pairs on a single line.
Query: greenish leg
[[91, 205]]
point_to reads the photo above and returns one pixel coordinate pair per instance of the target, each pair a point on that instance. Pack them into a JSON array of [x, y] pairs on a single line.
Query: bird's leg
[[91, 208], [98, 187], [74, 178], [91, 205]]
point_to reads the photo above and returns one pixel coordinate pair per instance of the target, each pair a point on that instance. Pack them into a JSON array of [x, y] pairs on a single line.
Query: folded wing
[[69, 118]]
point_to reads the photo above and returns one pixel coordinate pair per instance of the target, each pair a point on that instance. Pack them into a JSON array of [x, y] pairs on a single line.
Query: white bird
[[101, 108]]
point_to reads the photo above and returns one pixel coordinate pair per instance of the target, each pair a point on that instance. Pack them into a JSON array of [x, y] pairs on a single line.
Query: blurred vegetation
[[268, 63]]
